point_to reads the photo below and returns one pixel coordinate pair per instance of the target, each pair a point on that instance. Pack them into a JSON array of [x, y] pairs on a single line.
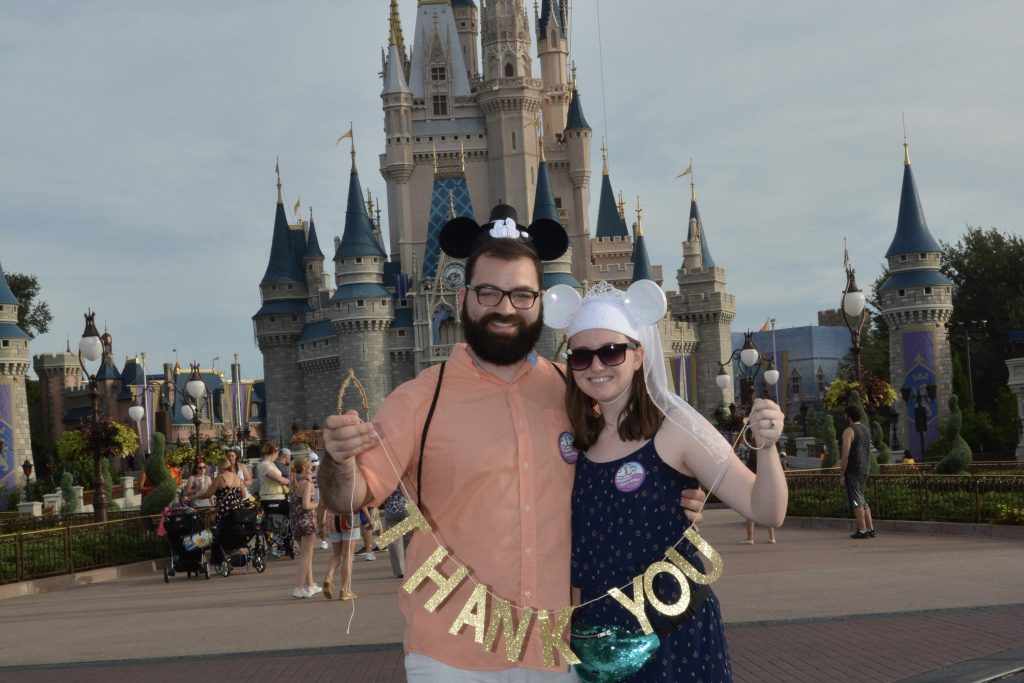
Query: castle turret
[[15, 440], [704, 302], [553, 51], [58, 373], [917, 302], [280, 320], [577, 139], [611, 249], [466, 19], [397, 161], [313, 263], [641, 261], [510, 98], [362, 308]]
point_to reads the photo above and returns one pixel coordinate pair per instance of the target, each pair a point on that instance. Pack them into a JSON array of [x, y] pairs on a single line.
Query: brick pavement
[[929, 608]]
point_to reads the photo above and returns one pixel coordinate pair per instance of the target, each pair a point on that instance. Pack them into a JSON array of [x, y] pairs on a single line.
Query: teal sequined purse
[[610, 653]]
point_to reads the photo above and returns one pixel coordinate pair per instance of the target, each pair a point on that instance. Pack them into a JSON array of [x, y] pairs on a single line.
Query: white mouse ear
[[560, 303], [645, 302]]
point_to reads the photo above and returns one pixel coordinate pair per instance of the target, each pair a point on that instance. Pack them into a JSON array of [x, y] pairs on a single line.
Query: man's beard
[[496, 348]]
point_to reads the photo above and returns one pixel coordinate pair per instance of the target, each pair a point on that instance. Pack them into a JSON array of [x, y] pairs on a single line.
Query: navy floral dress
[[625, 514]]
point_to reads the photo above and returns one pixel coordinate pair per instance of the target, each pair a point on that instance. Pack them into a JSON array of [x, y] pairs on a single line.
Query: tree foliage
[[34, 317], [985, 268]]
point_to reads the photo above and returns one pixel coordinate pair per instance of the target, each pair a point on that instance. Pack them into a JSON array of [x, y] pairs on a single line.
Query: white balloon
[[646, 302], [560, 303]]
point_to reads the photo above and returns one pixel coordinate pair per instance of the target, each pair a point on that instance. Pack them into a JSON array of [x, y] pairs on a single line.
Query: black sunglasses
[[610, 355]]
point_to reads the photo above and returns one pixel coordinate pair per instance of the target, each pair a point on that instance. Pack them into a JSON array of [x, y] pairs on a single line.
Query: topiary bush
[[959, 457], [67, 492], [108, 484], [164, 486], [877, 438]]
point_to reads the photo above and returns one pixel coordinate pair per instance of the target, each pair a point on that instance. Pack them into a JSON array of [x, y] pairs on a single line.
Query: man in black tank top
[[854, 471]]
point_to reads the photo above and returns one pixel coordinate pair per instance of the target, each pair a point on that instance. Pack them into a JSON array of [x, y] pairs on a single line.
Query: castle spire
[[610, 222], [604, 157], [285, 263], [395, 36], [277, 170], [695, 226], [358, 238], [912, 234], [641, 260]]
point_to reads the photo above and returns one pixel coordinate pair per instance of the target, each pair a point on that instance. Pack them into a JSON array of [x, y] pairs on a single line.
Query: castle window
[[927, 290], [360, 303], [922, 256], [513, 141], [384, 303], [295, 318], [794, 383], [508, 70], [291, 287], [359, 259], [302, 347], [440, 103], [903, 257], [376, 259], [5, 343], [401, 333], [901, 292], [558, 202], [443, 138], [273, 288], [437, 73], [821, 382], [273, 318]]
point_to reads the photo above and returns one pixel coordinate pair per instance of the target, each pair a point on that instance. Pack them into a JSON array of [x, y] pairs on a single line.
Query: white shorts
[[350, 535], [422, 669]]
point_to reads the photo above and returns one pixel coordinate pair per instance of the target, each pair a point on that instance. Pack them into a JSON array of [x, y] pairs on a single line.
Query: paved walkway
[[817, 606]]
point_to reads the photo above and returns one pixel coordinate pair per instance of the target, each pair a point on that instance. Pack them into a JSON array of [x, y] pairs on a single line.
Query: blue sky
[[140, 140]]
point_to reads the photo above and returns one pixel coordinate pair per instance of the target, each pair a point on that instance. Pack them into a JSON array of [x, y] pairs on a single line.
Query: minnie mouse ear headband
[[605, 308], [461, 236]]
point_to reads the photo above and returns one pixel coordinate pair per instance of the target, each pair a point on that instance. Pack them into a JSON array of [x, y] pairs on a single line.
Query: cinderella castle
[[469, 124]]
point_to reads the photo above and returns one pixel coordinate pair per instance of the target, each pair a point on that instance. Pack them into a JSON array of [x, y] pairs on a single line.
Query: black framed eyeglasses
[[610, 355], [492, 296]]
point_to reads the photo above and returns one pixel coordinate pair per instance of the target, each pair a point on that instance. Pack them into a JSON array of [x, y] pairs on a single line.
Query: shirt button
[[527, 594], [526, 508], [528, 551], [526, 465]]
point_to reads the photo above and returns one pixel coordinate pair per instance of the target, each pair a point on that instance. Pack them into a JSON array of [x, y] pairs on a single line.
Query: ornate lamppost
[[90, 348], [920, 409], [750, 361], [853, 306], [26, 467], [197, 396]]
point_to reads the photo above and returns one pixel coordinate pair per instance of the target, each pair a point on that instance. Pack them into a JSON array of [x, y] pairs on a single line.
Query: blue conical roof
[[358, 238], [312, 243], [609, 222], [285, 263], [552, 10], [706, 260], [641, 261], [544, 201], [575, 119], [912, 235], [6, 295]]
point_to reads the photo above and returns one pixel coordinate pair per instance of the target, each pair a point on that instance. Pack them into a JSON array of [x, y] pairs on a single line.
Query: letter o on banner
[[684, 598]]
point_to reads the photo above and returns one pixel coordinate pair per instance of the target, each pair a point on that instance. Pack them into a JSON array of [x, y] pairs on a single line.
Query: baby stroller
[[235, 543], [281, 530], [188, 542]]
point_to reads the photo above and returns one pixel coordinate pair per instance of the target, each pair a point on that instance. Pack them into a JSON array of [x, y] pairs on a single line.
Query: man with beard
[[494, 473]]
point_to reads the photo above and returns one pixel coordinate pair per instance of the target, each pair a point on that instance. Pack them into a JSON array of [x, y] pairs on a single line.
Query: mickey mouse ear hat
[[461, 236]]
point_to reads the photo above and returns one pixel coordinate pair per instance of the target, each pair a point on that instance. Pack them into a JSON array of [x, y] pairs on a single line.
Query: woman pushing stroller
[[228, 490]]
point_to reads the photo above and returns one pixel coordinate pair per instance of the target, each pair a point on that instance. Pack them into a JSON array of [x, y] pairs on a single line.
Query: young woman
[[637, 445], [341, 531], [303, 523], [196, 484], [229, 492]]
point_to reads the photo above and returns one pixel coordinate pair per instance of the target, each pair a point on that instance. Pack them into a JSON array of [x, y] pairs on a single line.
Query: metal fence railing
[[66, 549], [14, 523], [978, 499]]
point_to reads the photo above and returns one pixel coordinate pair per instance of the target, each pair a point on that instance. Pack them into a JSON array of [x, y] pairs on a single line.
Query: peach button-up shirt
[[496, 491]]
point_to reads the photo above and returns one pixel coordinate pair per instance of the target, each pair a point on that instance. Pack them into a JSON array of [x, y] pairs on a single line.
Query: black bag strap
[[423, 437]]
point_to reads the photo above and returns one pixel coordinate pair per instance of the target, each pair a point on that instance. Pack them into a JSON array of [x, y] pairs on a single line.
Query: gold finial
[[433, 149], [277, 170], [906, 146], [604, 157], [462, 158], [369, 203], [622, 205], [352, 138], [451, 205], [395, 29], [378, 212], [311, 215], [639, 214], [693, 190], [574, 75]]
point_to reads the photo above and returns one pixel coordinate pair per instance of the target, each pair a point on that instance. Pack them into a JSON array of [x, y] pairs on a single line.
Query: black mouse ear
[[458, 236], [549, 238]]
